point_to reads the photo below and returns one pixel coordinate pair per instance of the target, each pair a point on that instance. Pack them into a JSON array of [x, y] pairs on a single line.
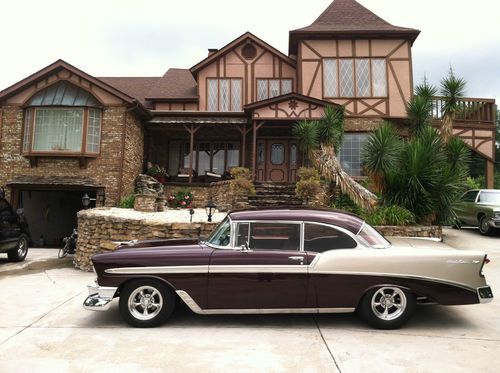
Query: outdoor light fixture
[[210, 209], [86, 200], [191, 213]]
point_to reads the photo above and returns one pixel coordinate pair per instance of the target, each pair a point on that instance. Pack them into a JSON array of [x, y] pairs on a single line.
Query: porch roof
[[198, 119], [71, 182]]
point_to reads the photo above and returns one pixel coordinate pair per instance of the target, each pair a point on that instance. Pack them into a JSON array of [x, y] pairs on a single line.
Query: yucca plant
[[452, 90], [320, 141]]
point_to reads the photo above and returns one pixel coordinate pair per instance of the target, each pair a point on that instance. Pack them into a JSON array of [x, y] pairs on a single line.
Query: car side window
[[242, 235], [320, 238], [5, 209], [470, 196], [274, 236]]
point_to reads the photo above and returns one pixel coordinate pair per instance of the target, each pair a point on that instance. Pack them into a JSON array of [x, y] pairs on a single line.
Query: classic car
[[285, 260], [479, 208], [14, 233]]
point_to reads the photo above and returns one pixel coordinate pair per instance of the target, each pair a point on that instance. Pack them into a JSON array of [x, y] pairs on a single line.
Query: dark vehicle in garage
[[14, 232]]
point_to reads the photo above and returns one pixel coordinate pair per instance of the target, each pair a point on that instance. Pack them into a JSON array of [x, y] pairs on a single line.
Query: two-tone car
[[479, 208], [285, 260]]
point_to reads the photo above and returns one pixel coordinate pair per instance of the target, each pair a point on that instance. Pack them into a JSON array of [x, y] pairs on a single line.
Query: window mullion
[[83, 148]]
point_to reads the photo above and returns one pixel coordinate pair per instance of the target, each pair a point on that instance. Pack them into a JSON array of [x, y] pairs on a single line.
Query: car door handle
[[301, 258]]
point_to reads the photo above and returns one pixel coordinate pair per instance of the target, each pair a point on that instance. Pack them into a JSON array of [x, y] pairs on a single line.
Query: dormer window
[[62, 119], [354, 77]]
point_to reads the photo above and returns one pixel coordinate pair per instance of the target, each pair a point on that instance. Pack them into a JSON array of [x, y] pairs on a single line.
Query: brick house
[[64, 132]]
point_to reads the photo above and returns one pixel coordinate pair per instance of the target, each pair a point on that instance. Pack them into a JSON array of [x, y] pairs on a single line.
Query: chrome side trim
[[294, 268], [157, 270], [197, 309]]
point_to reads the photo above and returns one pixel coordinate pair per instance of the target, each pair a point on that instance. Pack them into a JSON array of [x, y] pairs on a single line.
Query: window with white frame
[[269, 88], [354, 77], [62, 118], [224, 94]]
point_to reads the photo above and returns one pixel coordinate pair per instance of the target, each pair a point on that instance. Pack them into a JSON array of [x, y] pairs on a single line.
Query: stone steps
[[274, 194]]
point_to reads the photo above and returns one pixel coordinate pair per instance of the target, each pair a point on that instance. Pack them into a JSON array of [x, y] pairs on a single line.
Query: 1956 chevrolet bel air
[[285, 260]]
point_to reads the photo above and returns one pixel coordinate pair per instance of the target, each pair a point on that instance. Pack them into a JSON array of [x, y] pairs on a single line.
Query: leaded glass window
[[379, 74], [363, 77], [94, 131], [268, 88], [213, 95], [262, 93], [28, 117], [293, 155], [330, 77], [346, 72], [277, 154], [286, 86], [236, 95], [274, 88], [350, 154], [224, 95]]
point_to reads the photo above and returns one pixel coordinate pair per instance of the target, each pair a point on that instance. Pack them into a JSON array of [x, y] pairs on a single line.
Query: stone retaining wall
[[423, 231]]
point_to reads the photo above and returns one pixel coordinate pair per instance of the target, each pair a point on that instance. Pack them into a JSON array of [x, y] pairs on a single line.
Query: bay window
[[62, 120], [354, 77], [224, 94], [269, 88]]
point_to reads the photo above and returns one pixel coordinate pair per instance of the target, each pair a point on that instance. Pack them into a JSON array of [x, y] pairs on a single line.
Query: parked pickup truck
[[479, 208]]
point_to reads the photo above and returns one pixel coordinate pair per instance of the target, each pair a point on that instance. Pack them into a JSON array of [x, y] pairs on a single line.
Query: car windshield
[[221, 236], [373, 238], [489, 197]]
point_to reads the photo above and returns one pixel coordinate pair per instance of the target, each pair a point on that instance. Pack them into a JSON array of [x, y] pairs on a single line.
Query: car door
[[9, 231], [266, 268], [465, 208]]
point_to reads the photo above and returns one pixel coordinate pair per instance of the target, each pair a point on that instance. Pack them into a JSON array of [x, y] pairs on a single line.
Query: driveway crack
[[326, 344]]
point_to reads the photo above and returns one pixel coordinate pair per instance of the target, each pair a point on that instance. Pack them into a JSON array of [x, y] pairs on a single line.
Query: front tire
[[387, 307], [19, 253], [484, 227], [146, 303]]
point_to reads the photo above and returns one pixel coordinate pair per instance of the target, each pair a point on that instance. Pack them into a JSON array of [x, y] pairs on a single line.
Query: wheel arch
[[417, 294], [149, 277]]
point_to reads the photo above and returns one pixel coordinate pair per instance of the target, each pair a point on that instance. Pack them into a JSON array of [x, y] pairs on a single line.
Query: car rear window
[[320, 238]]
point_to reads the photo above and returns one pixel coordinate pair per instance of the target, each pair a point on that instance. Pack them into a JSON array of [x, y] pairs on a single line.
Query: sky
[[145, 38]]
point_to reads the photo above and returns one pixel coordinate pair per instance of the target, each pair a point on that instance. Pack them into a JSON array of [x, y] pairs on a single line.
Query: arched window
[[62, 119]]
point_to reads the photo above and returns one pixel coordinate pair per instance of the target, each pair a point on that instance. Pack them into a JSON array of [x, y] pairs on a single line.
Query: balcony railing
[[471, 110]]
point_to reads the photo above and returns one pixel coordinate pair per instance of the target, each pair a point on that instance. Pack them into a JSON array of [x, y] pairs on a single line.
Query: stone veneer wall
[[106, 169], [97, 233], [220, 192], [423, 231]]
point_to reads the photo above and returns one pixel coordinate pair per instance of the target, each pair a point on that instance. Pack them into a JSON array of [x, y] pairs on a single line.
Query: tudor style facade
[[63, 130]]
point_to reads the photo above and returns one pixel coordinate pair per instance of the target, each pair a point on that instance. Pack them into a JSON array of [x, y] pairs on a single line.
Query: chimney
[[212, 51]]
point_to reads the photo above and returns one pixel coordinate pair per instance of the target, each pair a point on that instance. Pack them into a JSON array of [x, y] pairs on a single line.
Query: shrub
[[242, 181], [128, 202], [390, 215], [309, 185], [343, 202]]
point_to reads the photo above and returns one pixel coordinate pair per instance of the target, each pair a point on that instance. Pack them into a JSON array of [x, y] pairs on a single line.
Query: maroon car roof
[[328, 216]]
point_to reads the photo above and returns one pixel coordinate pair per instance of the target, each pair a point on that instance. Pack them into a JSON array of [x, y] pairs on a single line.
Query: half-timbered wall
[[397, 54], [263, 64]]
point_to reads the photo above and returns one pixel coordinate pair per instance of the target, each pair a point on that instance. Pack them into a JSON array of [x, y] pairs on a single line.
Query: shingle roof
[[350, 17], [175, 84], [137, 87]]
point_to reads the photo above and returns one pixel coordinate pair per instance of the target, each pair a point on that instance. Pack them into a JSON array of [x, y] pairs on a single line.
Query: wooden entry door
[[277, 160]]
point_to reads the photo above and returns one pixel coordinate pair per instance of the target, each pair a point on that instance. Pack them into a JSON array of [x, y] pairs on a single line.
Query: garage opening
[[51, 215]]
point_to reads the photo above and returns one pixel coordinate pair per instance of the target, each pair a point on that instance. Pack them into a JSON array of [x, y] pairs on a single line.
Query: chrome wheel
[[145, 303], [388, 303], [483, 225], [22, 247]]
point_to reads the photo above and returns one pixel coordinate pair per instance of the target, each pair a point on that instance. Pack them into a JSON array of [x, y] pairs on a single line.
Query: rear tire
[[484, 227], [387, 307], [146, 303], [19, 253], [63, 251]]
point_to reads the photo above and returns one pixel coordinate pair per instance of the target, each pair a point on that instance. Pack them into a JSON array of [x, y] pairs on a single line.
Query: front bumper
[[494, 222], [484, 294], [99, 298]]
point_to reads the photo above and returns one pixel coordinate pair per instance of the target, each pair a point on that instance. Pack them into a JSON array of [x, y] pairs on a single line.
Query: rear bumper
[[484, 294], [99, 298]]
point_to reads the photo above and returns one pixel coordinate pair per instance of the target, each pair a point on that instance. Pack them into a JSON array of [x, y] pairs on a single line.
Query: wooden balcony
[[472, 112]]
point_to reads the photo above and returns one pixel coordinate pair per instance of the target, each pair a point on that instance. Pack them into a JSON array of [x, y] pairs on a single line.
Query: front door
[[277, 160]]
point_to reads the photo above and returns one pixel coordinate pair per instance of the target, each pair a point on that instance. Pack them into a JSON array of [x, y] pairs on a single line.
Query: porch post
[[490, 170], [191, 149], [254, 152], [243, 146]]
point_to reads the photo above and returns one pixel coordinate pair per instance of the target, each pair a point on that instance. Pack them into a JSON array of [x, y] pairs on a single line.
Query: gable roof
[[176, 84], [55, 67], [137, 87], [349, 18], [288, 97], [238, 41]]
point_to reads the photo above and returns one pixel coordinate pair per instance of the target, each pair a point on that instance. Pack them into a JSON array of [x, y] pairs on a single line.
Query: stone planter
[[145, 203], [422, 231]]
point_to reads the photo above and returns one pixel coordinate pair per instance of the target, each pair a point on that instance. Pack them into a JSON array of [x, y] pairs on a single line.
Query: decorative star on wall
[[292, 104]]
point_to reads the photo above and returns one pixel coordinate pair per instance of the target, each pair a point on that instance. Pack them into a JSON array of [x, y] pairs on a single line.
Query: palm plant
[[322, 144], [452, 90], [419, 108]]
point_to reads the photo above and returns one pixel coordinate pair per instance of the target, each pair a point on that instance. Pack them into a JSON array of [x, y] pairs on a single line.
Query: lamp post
[[210, 209], [191, 213]]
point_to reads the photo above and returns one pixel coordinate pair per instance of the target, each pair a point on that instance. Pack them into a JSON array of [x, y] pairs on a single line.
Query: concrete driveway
[[44, 328]]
